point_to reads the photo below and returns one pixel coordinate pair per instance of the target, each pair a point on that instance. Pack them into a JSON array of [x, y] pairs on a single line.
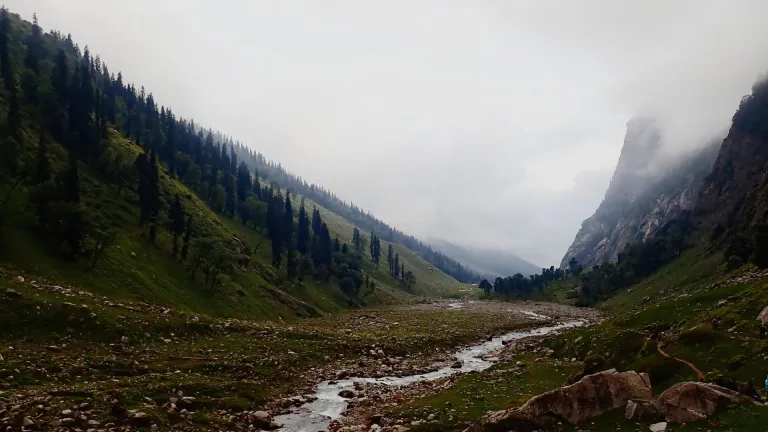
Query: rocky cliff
[[734, 196], [649, 188]]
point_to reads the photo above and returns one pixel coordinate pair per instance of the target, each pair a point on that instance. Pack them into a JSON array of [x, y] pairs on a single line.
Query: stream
[[329, 406]]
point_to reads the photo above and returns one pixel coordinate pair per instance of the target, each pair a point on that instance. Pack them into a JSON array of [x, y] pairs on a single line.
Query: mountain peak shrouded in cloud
[[494, 124]]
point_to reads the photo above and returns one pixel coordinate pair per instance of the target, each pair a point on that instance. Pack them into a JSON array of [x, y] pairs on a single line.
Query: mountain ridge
[[488, 262]]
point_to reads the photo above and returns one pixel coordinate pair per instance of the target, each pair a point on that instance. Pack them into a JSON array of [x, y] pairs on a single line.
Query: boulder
[[456, 365], [260, 419], [347, 394], [689, 401], [763, 315], [592, 396], [592, 364], [641, 410], [658, 427]]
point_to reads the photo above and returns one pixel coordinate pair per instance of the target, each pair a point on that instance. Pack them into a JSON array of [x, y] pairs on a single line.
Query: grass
[[133, 268], [502, 386]]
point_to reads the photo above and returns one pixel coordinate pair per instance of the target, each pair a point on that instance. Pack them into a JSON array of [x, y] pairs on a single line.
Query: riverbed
[[329, 405]]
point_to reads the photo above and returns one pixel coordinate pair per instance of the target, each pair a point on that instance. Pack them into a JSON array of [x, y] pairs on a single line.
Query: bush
[[736, 362], [698, 335]]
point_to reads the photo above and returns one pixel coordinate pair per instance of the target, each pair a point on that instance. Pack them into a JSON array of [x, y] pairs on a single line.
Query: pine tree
[[229, 187], [356, 240], [390, 258], [257, 185], [153, 199], [41, 175], [187, 236], [302, 236], [336, 245], [73, 225], [287, 226], [176, 216], [396, 266], [344, 249], [274, 227], [292, 264], [243, 182], [5, 58], [402, 271]]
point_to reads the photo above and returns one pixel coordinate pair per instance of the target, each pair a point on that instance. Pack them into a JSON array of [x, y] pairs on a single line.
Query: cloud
[[493, 123]]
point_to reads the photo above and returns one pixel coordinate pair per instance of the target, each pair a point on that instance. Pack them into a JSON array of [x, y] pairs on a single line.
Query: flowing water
[[317, 415]]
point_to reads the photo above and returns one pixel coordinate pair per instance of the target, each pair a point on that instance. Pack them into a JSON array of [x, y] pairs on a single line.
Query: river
[[329, 406]]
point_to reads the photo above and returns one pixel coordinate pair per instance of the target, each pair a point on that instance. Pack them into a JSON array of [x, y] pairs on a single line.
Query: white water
[[317, 415]]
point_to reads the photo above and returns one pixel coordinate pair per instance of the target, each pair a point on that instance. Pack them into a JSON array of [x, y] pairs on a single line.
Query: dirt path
[[699, 374]]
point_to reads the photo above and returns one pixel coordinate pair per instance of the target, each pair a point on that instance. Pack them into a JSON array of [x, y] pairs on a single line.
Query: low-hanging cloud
[[491, 123]]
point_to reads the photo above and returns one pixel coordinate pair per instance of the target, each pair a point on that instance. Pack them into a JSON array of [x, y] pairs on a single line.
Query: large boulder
[[592, 396], [689, 401], [763, 315]]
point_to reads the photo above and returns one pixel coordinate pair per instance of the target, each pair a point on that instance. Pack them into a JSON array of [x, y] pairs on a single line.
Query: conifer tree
[[287, 224], [356, 240], [176, 216], [396, 266], [74, 224], [336, 245], [257, 185], [292, 264], [302, 235], [187, 236], [229, 187], [41, 175], [243, 182], [390, 258], [5, 57]]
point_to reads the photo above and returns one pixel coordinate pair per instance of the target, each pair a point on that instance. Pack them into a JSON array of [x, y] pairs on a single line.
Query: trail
[[699, 374]]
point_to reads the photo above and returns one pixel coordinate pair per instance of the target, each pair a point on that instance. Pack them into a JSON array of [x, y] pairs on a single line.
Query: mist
[[492, 124]]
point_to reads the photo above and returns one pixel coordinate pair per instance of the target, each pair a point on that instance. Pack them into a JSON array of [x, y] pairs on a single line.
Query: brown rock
[[592, 396], [689, 401], [641, 410]]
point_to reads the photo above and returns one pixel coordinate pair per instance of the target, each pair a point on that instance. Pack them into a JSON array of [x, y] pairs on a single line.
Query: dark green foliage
[[390, 258], [243, 182], [356, 240], [292, 264], [302, 234], [336, 245], [396, 266], [287, 223], [636, 262], [486, 286], [176, 216], [187, 237], [375, 248], [5, 59]]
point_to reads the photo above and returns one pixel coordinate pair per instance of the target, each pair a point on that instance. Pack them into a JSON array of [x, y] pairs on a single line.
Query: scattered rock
[[124, 339], [456, 365], [658, 427], [641, 410], [20, 279], [12, 294], [347, 394]]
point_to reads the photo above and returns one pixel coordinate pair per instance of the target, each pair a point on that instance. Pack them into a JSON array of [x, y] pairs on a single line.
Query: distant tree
[[574, 266], [5, 58], [409, 279], [176, 216], [287, 224], [243, 182], [292, 264], [187, 236], [218, 198], [347, 285], [306, 267], [486, 286], [396, 266], [74, 225], [302, 236], [336, 245], [40, 177], [356, 241], [402, 271], [229, 188], [344, 249], [390, 258]]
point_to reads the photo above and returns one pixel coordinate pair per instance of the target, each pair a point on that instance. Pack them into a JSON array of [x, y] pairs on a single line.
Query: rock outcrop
[[592, 396], [689, 401], [648, 189]]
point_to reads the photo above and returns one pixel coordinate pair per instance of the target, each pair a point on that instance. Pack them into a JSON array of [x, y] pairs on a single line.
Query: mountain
[[647, 190], [103, 187], [489, 263], [733, 202]]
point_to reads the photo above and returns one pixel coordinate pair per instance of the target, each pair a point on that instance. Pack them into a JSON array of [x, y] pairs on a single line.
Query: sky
[[490, 123]]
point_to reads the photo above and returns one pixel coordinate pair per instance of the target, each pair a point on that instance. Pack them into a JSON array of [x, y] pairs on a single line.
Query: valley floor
[[73, 359]]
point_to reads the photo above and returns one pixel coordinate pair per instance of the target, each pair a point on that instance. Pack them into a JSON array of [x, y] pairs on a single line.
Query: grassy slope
[[133, 268]]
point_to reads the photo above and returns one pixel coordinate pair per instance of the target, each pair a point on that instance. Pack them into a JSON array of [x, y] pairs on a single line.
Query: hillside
[[90, 189], [646, 192], [489, 263]]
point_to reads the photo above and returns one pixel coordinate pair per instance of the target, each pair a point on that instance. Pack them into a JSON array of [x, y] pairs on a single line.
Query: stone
[[66, 412], [347, 394], [12, 294], [456, 365], [261, 419], [658, 427], [67, 421], [27, 422], [377, 418], [763, 315], [689, 401], [641, 410], [124, 339], [20, 279], [592, 396]]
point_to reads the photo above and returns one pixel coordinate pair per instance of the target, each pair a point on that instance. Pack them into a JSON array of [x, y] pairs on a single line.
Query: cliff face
[[734, 196], [645, 192]]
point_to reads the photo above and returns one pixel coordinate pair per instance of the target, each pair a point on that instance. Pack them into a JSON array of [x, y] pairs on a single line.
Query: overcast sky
[[490, 123]]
